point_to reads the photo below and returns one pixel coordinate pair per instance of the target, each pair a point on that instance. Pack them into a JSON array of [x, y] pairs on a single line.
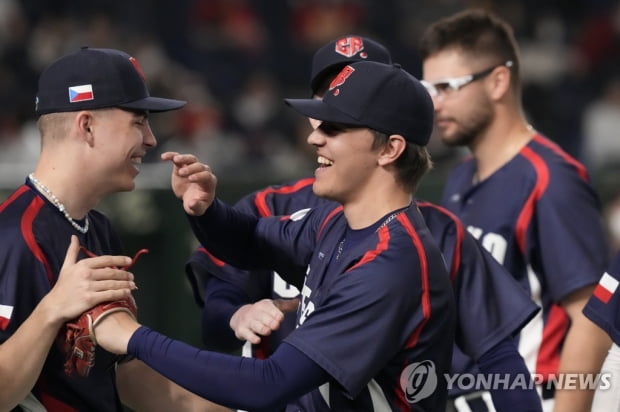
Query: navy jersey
[[500, 309], [257, 285], [377, 317], [540, 218], [603, 308], [34, 238]]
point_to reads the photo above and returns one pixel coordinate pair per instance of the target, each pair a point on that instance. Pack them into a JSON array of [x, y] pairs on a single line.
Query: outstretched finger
[[114, 284], [72, 251], [193, 169], [168, 155], [109, 273], [107, 261], [184, 158]]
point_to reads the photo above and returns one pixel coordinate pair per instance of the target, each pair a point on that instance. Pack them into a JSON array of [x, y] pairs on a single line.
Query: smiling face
[[461, 116], [347, 161], [120, 141]]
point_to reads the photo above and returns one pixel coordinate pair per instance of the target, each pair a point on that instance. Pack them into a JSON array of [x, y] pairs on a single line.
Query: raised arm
[[80, 286], [192, 182]]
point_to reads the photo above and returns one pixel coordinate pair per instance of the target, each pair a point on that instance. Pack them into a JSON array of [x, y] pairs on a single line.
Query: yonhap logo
[[418, 381]]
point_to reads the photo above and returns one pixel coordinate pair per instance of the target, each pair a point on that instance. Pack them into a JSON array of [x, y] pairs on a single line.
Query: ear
[[392, 150], [84, 123], [500, 82]]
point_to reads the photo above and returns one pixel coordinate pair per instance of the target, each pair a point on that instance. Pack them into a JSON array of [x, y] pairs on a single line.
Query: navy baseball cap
[[382, 97], [347, 49], [95, 79]]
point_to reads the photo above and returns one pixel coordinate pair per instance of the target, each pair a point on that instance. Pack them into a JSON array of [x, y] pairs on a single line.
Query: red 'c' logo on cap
[[350, 46], [137, 67], [340, 79]]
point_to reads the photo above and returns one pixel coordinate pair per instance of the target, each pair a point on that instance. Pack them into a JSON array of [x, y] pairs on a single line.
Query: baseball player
[[502, 309], [528, 202], [248, 306], [602, 309], [363, 340], [326, 63], [93, 106]]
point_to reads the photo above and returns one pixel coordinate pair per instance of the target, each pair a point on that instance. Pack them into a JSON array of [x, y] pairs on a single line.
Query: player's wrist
[[114, 331], [50, 313]]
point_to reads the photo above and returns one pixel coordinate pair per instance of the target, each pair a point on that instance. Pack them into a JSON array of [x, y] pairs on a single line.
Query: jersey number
[[495, 244]]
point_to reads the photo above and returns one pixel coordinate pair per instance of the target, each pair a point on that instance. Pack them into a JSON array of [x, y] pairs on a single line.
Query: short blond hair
[[54, 126]]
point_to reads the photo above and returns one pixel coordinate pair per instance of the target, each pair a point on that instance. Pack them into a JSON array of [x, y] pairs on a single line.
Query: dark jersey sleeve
[[202, 265], [491, 305], [257, 284], [567, 243], [234, 381], [603, 308], [247, 242]]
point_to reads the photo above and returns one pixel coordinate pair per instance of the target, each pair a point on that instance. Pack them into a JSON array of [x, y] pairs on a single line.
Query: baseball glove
[[77, 337]]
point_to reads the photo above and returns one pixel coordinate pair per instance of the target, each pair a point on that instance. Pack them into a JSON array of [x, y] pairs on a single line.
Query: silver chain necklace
[[52, 197], [385, 222]]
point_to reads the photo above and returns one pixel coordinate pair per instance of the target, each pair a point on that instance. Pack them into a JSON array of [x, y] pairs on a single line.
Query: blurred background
[[235, 60]]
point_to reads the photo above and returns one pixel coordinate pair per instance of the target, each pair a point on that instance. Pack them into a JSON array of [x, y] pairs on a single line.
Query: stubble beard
[[468, 131]]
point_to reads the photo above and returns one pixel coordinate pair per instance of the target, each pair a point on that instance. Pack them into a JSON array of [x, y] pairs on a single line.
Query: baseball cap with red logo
[[336, 54], [94, 79], [382, 97]]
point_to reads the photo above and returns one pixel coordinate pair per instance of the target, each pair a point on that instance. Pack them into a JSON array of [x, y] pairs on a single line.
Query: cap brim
[[318, 109], [154, 104]]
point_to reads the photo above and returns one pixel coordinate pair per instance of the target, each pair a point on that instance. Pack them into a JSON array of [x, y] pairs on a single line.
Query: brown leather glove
[[77, 337]]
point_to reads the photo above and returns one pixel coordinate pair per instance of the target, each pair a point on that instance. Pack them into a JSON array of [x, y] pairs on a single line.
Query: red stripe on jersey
[[460, 234], [548, 360], [4, 323], [425, 299], [55, 405], [14, 196], [382, 245], [602, 293], [260, 200], [51, 404], [215, 260], [26, 227], [261, 350], [542, 181], [581, 169], [327, 219]]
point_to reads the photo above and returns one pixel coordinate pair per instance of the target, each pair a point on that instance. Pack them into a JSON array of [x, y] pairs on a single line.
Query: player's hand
[[192, 181], [251, 322], [85, 283]]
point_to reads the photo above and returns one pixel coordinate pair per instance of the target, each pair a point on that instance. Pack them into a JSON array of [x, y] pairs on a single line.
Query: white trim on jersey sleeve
[[530, 338], [32, 404]]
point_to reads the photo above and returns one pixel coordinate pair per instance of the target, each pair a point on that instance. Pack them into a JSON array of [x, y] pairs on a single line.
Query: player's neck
[[499, 144], [58, 183], [363, 214]]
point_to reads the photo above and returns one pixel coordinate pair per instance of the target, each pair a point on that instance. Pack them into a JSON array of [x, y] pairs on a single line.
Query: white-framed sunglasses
[[453, 84]]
